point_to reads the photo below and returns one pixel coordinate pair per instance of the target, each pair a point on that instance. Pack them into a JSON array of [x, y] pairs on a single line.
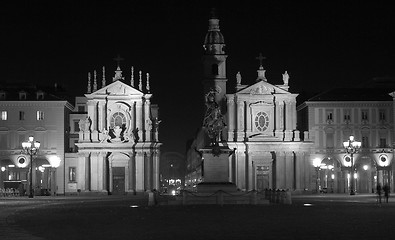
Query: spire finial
[[94, 81], [89, 83], [103, 83], [132, 77], [140, 81], [147, 86]]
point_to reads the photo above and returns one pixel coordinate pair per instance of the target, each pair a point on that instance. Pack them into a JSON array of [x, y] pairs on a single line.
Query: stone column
[[147, 117], [132, 173], [140, 172], [279, 128], [240, 121], [241, 167], [280, 170], [101, 116], [148, 171], [231, 118], [139, 119], [289, 170], [250, 172], [288, 121], [247, 118], [156, 172]]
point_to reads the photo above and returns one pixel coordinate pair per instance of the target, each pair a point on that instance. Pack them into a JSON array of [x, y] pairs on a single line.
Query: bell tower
[[214, 60]]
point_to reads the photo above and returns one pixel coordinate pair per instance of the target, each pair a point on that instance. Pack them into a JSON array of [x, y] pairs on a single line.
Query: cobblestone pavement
[[324, 203]]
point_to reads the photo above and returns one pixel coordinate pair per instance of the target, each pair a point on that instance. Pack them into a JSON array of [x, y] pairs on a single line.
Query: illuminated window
[[118, 119], [3, 115], [21, 115], [72, 174], [261, 121], [40, 115]]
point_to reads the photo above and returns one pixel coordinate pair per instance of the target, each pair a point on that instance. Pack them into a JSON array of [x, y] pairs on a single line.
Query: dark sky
[[321, 44]]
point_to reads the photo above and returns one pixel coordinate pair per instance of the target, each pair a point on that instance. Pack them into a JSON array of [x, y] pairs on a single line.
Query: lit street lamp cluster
[[31, 148], [352, 147]]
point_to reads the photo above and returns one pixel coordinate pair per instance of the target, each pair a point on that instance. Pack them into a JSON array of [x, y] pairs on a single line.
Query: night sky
[[321, 44]]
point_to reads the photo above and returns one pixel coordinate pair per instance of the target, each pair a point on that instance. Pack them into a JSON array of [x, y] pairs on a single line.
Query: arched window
[[117, 119]]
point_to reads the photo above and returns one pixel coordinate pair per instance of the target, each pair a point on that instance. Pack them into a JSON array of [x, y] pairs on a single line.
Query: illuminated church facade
[[261, 127], [279, 145]]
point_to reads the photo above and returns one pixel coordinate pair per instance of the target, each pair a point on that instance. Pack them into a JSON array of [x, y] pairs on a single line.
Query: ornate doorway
[[118, 180]]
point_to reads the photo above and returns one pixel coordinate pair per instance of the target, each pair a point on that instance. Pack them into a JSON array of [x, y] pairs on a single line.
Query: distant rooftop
[[354, 94]]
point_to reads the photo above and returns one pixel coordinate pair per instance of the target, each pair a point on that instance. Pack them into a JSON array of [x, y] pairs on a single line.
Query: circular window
[[261, 121], [383, 158], [21, 160], [118, 119], [347, 159]]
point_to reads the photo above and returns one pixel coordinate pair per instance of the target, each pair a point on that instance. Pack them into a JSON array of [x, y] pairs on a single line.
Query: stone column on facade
[[250, 172], [106, 171], [156, 172], [279, 128], [231, 118], [147, 118], [241, 167], [280, 170], [87, 171], [247, 117], [101, 116], [148, 171], [288, 121], [240, 121], [132, 173], [140, 172], [139, 119], [94, 171], [289, 170]]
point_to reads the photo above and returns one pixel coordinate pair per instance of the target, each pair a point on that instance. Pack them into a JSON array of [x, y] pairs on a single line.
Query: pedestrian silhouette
[[378, 188], [386, 190]]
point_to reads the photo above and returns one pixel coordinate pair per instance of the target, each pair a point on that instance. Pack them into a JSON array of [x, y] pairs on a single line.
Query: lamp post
[[31, 148], [352, 147], [317, 164]]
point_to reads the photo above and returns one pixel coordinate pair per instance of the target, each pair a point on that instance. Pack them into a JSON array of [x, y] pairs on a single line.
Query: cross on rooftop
[[118, 59], [260, 58]]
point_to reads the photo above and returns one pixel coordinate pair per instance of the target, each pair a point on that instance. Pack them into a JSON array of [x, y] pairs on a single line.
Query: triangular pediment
[[116, 88], [262, 88]]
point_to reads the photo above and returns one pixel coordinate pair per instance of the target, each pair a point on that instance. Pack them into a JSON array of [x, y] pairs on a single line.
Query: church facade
[[261, 128], [118, 144]]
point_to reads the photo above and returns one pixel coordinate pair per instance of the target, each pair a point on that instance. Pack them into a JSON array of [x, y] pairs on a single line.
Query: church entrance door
[[118, 180], [262, 182]]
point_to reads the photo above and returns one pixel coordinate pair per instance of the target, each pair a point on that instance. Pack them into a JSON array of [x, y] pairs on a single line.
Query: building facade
[[33, 111], [331, 118], [261, 127]]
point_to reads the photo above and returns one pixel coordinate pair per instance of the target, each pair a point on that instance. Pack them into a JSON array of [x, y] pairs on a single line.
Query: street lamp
[[317, 164], [31, 148], [352, 147]]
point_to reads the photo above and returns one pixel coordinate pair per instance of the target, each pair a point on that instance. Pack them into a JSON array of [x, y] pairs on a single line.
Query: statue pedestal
[[216, 170]]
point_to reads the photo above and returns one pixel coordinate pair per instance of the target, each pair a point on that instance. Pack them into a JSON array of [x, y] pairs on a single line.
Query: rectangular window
[[3, 115], [382, 115], [329, 116], [40, 115], [347, 115], [364, 115], [81, 108], [72, 174], [21, 115], [76, 126]]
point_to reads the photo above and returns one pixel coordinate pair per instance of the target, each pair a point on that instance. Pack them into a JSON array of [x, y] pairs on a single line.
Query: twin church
[[107, 142]]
